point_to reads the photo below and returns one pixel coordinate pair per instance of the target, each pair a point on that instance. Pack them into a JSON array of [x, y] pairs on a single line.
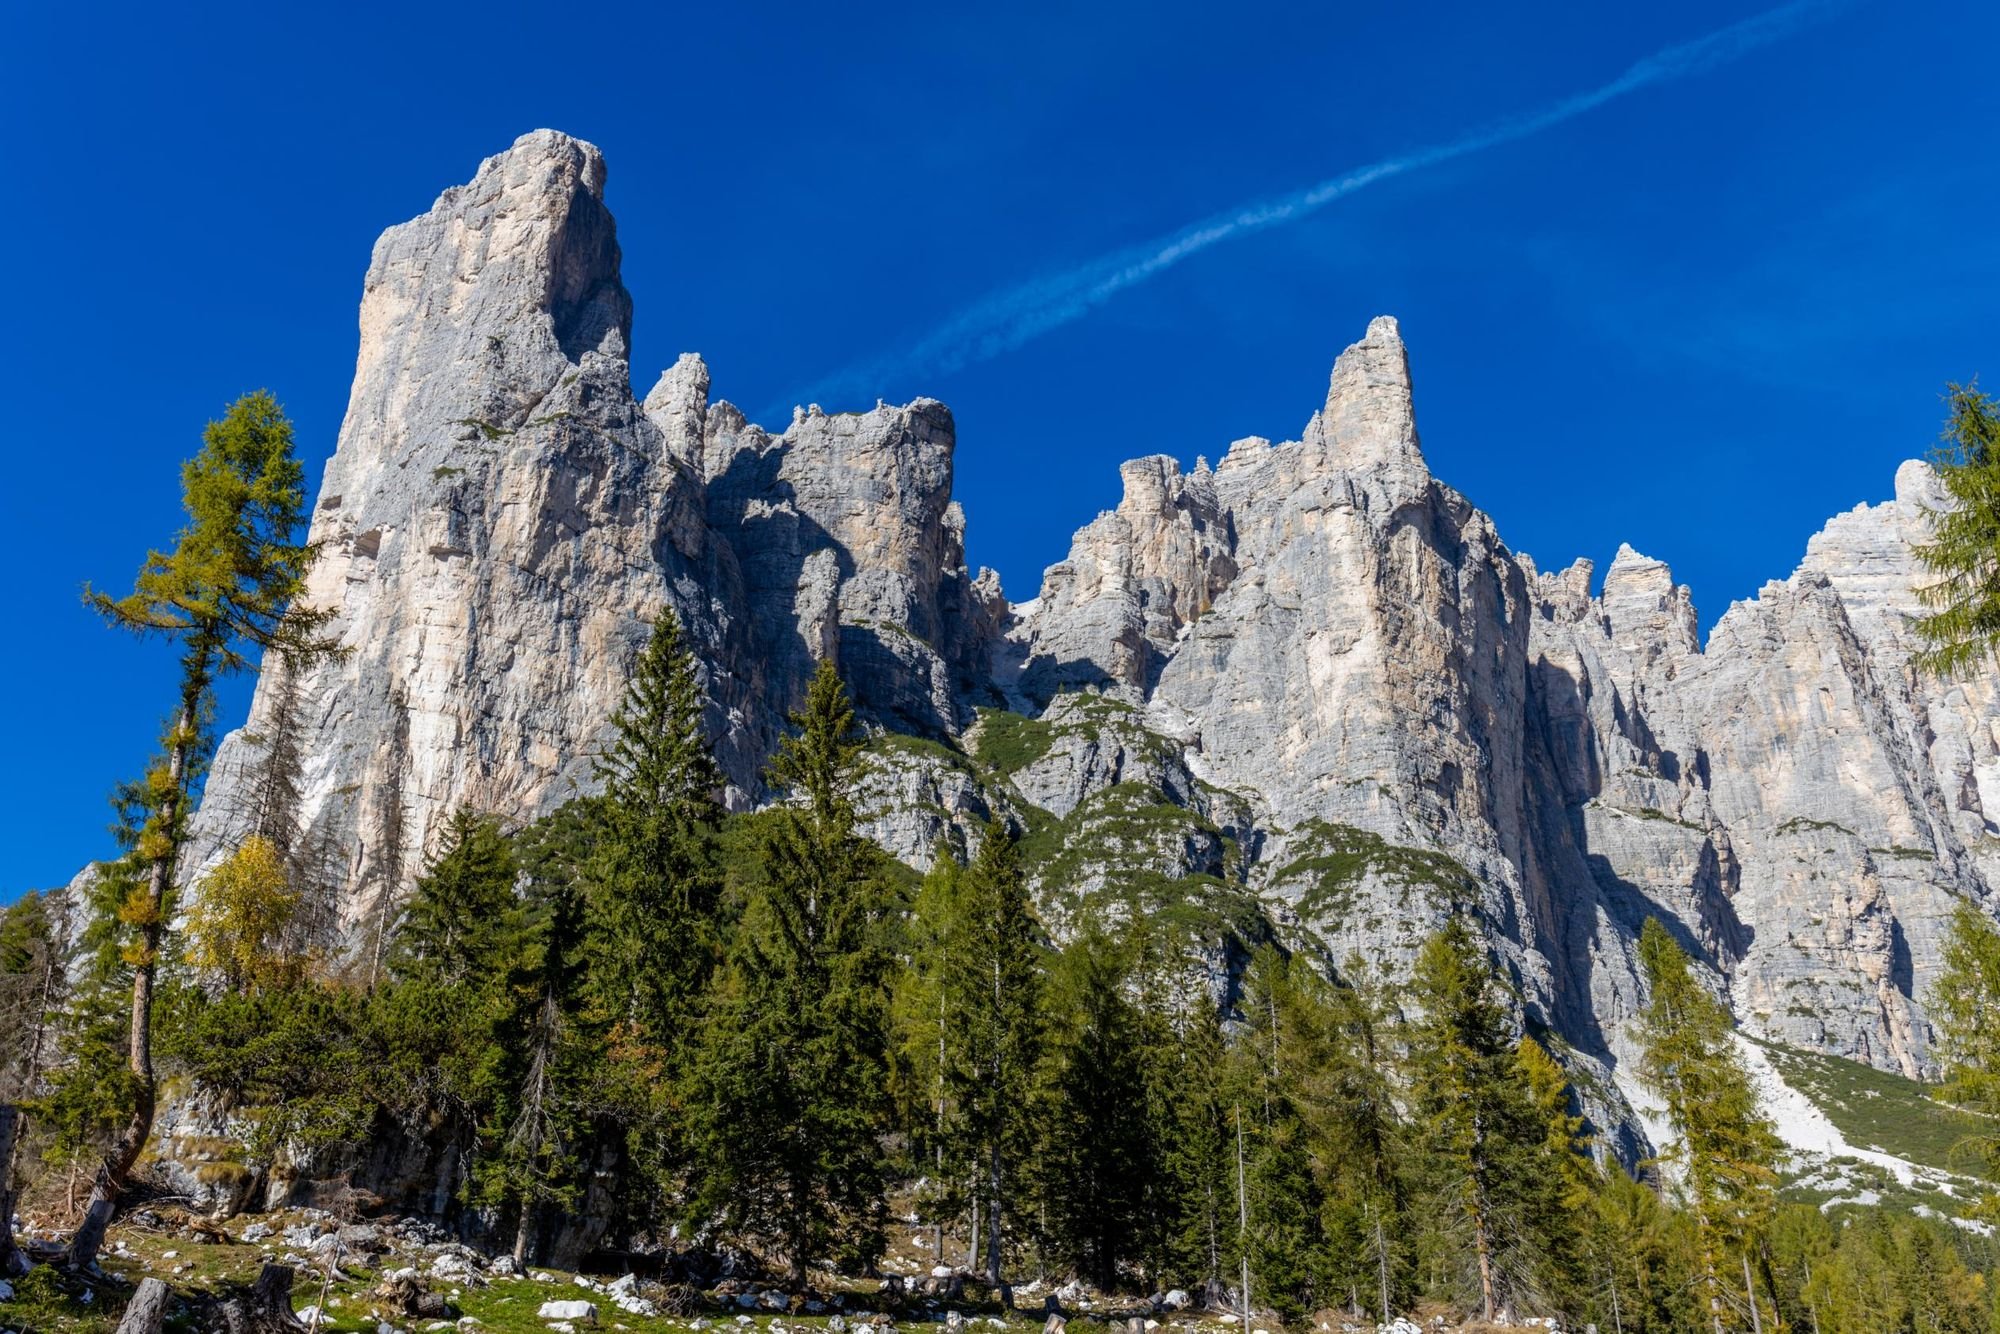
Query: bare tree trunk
[[993, 1223], [1243, 1216], [524, 1233], [147, 1310], [1750, 1291], [972, 1245], [1481, 1239], [11, 1260], [1382, 1263]]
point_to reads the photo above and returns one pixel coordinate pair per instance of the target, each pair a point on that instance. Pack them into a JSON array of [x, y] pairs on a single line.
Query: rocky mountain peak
[[1644, 609], [1372, 713], [1368, 424], [678, 406]]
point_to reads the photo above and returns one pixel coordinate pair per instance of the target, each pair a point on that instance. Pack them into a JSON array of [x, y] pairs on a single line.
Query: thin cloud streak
[[1014, 315]]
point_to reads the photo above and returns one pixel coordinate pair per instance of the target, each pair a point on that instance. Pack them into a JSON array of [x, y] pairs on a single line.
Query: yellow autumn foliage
[[236, 928]]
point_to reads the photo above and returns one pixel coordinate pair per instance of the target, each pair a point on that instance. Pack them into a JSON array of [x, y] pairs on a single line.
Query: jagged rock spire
[[1369, 422]]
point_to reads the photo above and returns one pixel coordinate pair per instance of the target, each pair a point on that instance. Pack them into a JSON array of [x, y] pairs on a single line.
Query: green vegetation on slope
[[1877, 1110], [1333, 859]]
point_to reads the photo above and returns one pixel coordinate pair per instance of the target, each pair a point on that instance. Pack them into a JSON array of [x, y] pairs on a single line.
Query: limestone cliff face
[[502, 520], [1425, 723], [1307, 694], [1807, 805]]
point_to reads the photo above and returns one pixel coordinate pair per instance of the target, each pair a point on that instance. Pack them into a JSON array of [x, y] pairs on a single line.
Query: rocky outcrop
[[1306, 694], [851, 544], [501, 522], [1425, 723], [1804, 803]]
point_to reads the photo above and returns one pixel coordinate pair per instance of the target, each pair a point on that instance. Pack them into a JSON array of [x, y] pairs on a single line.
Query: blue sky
[[1701, 317]]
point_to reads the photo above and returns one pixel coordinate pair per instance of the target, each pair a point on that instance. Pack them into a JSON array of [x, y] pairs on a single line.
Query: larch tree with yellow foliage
[[225, 593], [236, 930], [1726, 1151]]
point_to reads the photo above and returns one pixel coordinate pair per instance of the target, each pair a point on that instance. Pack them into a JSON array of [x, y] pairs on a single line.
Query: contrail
[[1013, 315]]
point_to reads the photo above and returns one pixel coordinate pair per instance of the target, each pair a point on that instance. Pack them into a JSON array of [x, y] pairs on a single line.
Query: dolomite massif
[[1307, 693]]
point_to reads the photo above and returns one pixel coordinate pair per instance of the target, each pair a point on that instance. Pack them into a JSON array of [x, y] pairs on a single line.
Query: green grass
[[45, 1299], [1008, 742], [1904, 854], [1874, 1109], [49, 1302]]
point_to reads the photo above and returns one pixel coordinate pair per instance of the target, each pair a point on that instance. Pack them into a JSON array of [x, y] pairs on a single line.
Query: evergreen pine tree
[[1001, 985], [928, 1048], [1466, 1095], [650, 889], [227, 590], [1964, 1004], [465, 912], [1278, 1050], [476, 1023], [1189, 1212], [1096, 1154], [1363, 1141], [791, 1077], [1556, 1177], [1961, 625], [649, 894], [1725, 1150]]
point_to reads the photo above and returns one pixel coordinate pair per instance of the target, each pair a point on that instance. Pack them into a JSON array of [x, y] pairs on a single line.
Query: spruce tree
[[475, 1020], [791, 1079], [1277, 1051], [1964, 1004], [650, 888], [1364, 1140], [1557, 1178], [1001, 982], [649, 891], [1189, 1211], [465, 913], [928, 1045], [1961, 625], [1725, 1150], [1096, 1152], [227, 591], [1466, 1096]]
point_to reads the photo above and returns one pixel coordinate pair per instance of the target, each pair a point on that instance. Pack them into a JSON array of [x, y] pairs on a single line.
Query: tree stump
[[265, 1307], [147, 1309], [12, 1262]]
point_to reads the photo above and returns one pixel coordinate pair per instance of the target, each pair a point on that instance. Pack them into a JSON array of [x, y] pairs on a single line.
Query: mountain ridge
[[1370, 711]]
